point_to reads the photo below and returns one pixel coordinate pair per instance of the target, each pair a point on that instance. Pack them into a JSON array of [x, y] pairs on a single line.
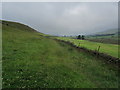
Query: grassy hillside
[[31, 61]]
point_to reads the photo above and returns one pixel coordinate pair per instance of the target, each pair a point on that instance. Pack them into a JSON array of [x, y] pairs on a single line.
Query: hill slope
[[109, 36], [31, 60], [111, 31]]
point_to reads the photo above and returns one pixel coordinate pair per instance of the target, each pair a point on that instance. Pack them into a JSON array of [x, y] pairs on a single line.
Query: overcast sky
[[63, 18]]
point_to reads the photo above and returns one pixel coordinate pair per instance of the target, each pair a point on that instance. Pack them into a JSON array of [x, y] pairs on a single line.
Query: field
[[110, 49], [113, 39], [30, 60], [110, 36]]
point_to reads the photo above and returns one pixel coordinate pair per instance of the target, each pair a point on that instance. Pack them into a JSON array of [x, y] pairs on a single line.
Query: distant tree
[[79, 37], [83, 37]]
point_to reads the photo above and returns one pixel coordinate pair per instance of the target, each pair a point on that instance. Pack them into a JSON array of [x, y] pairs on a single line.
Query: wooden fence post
[[98, 48], [79, 44]]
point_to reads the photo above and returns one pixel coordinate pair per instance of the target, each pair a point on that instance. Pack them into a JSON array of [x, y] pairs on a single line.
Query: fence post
[[79, 44], [98, 48]]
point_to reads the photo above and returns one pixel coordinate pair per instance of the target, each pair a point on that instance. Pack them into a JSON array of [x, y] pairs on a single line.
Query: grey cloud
[[64, 18]]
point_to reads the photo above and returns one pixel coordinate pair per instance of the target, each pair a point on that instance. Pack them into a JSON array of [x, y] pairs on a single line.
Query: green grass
[[110, 49], [32, 61], [112, 39]]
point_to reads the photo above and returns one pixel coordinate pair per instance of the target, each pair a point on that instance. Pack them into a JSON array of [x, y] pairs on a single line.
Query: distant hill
[[109, 36], [17, 25], [107, 33], [111, 31]]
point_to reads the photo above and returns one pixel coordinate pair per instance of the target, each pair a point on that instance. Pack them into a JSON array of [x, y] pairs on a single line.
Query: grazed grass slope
[[110, 49], [31, 61]]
